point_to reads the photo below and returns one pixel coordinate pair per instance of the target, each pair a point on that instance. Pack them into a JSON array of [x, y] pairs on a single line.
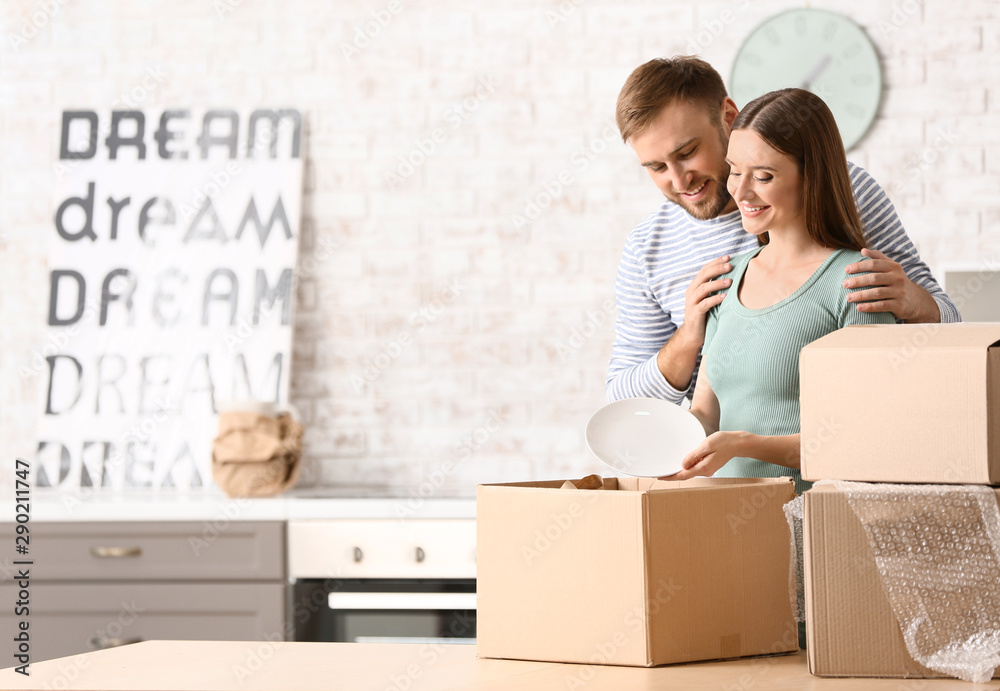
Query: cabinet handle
[[358, 555], [103, 642], [421, 555], [115, 552]]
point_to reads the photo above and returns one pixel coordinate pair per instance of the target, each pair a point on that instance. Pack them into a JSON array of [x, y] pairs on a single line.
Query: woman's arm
[[780, 450], [705, 407], [704, 404], [719, 447]]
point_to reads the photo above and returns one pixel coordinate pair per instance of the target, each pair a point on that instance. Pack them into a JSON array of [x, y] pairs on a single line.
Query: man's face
[[684, 151]]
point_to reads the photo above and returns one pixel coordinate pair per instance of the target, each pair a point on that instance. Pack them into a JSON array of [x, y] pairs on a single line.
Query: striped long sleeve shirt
[[664, 252]]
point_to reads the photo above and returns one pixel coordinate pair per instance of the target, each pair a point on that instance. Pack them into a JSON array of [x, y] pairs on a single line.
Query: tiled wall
[[467, 196]]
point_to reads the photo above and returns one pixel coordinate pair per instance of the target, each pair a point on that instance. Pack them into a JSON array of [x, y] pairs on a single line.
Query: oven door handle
[[402, 601]]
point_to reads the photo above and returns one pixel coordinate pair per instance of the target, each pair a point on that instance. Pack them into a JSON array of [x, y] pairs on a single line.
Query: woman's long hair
[[799, 124]]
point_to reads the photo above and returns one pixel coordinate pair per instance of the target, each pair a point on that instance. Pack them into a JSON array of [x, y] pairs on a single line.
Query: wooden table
[[265, 666]]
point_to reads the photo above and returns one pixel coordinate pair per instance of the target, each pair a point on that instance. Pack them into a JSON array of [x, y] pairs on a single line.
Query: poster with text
[[174, 242]]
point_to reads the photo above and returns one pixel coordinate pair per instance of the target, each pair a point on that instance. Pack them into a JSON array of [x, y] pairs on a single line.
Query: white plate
[[647, 437]]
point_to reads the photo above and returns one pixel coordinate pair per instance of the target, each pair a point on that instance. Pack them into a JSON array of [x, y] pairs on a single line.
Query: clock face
[[824, 52]]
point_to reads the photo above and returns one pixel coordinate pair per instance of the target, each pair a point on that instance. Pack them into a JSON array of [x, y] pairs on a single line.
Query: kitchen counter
[[298, 504], [264, 666]]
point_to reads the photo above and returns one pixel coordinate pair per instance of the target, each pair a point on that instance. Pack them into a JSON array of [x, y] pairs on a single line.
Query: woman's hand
[[719, 448], [712, 454]]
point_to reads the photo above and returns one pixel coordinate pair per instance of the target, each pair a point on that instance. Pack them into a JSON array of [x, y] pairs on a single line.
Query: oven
[[383, 580], [385, 610]]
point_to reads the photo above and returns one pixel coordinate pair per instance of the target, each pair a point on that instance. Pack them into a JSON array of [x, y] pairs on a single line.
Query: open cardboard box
[[902, 403], [851, 629], [643, 572]]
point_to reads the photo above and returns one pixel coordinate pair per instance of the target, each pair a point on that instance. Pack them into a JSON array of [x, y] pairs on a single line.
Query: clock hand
[[816, 72]]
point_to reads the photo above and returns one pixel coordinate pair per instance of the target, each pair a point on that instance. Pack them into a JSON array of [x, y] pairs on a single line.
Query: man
[[676, 115]]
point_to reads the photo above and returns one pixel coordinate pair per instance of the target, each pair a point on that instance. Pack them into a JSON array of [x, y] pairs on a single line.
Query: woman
[[788, 174]]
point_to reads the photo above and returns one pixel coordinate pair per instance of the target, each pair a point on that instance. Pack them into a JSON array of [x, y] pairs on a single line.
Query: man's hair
[[799, 124], [661, 81]]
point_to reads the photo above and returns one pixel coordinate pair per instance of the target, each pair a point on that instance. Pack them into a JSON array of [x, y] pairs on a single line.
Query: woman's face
[[766, 184]]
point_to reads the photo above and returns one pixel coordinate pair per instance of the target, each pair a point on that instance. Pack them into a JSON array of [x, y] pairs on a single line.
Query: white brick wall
[[501, 376]]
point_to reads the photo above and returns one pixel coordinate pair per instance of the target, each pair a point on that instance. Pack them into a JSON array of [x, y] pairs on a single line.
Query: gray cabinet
[[98, 585]]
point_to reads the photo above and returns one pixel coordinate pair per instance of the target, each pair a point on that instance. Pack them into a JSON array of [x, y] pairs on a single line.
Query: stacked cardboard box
[[885, 404], [640, 572]]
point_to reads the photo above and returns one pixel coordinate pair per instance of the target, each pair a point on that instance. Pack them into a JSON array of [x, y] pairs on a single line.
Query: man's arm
[[652, 356], [899, 282], [641, 330]]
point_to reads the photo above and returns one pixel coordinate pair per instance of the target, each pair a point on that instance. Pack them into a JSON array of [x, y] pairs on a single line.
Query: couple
[[797, 227]]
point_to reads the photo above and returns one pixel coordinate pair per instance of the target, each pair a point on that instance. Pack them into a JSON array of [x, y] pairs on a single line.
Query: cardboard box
[[642, 573], [851, 629], [902, 403]]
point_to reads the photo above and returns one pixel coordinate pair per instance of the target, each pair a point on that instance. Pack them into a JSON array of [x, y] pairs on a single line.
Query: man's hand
[[888, 289], [677, 357], [698, 298], [711, 454]]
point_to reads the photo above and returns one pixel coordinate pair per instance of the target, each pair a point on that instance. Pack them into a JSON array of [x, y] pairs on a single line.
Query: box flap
[[654, 485], [540, 484], [977, 336], [646, 484]]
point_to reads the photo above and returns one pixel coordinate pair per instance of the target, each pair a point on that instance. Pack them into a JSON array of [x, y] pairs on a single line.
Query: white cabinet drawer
[[373, 548]]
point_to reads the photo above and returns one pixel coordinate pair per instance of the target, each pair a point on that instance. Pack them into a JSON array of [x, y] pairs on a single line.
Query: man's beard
[[708, 208]]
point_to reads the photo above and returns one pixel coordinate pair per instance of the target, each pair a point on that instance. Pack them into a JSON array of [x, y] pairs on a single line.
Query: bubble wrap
[[937, 548], [796, 574]]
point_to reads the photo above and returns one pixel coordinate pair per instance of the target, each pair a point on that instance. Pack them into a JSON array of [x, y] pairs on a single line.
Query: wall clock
[[822, 51]]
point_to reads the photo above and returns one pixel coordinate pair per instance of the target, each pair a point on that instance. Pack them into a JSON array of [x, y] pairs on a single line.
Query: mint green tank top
[[752, 355]]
